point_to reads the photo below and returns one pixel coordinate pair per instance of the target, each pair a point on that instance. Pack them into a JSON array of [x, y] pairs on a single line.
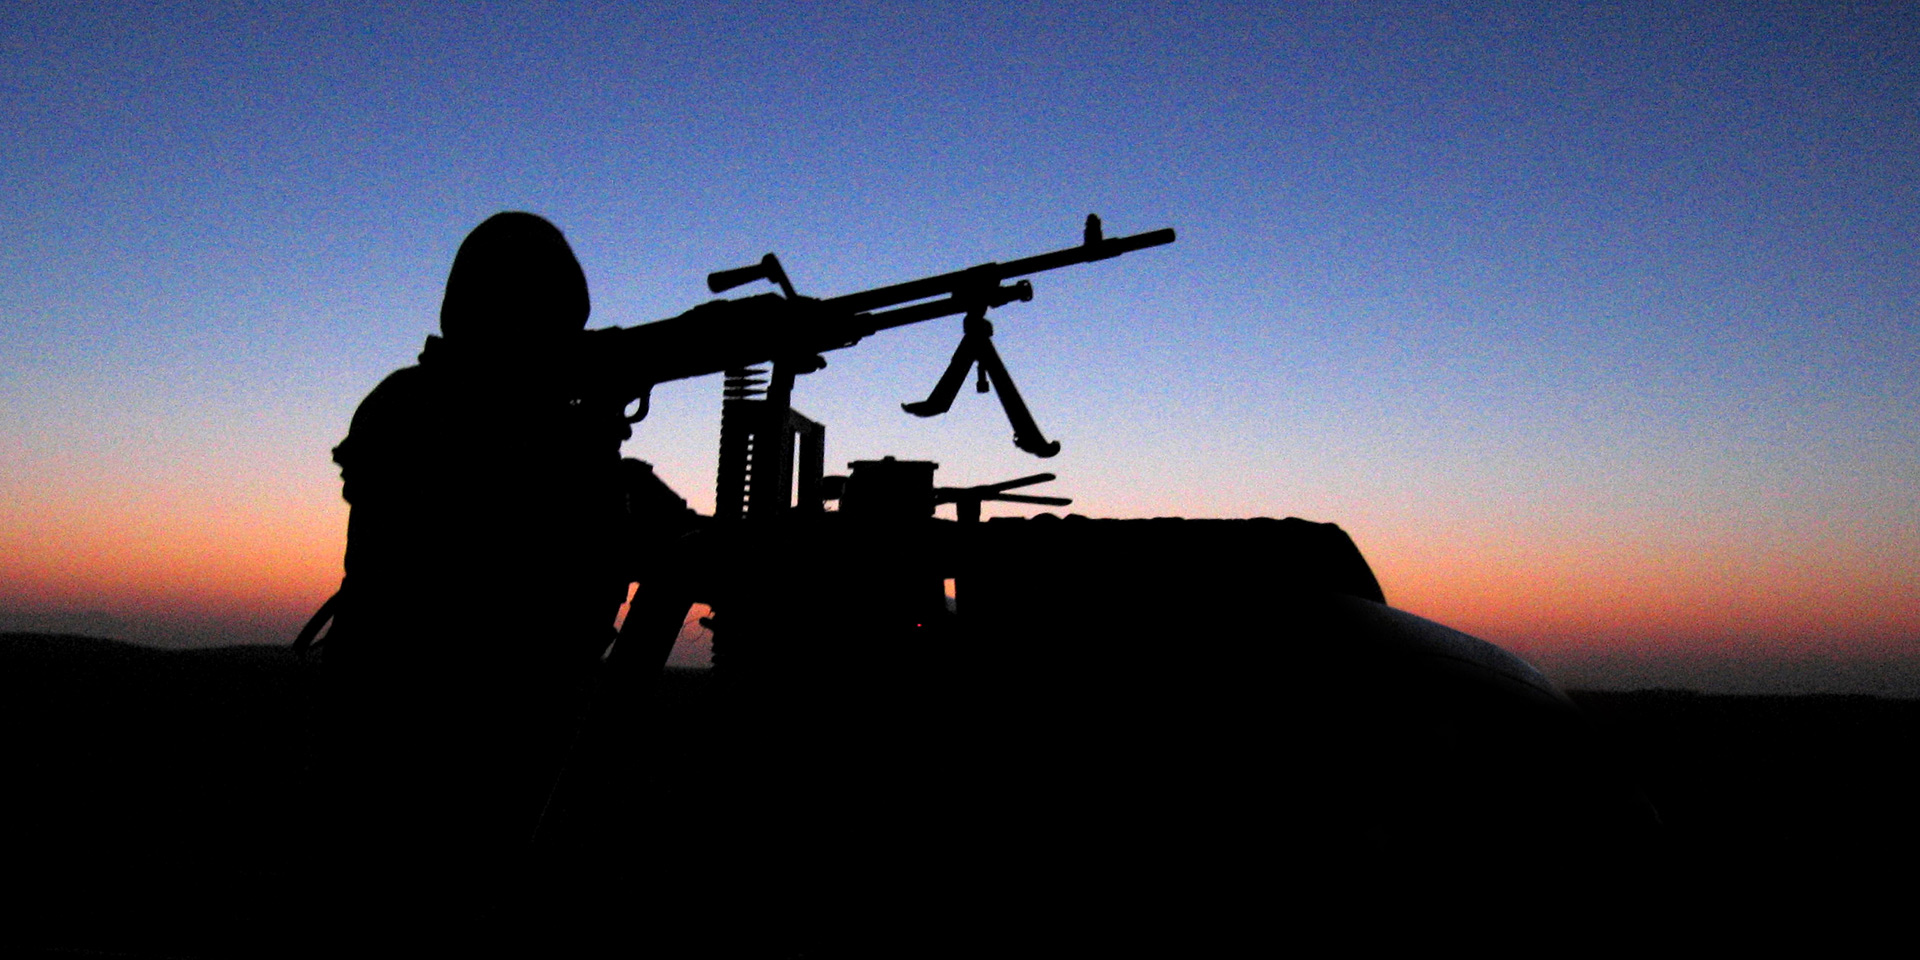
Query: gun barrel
[[987, 274]]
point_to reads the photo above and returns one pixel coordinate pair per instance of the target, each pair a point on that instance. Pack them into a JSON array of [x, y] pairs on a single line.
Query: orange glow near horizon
[[1534, 598], [242, 573], [1648, 599]]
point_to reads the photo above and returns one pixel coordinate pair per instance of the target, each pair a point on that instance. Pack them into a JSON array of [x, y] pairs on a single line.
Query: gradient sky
[[1598, 327]]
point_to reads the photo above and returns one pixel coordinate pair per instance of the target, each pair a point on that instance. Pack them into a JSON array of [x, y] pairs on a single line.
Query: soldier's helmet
[[514, 284]]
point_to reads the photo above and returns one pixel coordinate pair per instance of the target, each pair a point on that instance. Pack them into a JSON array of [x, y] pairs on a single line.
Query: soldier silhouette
[[483, 565]]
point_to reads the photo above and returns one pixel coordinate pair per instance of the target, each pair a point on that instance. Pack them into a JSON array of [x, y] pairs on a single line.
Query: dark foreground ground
[[154, 805]]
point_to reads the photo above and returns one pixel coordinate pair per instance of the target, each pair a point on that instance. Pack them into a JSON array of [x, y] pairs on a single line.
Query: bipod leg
[[941, 399], [1026, 433]]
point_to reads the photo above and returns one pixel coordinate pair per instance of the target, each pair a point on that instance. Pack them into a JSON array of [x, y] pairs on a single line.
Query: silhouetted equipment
[[967, 500], [790, 331], [976, 348], [1043, 721], [749, 449]]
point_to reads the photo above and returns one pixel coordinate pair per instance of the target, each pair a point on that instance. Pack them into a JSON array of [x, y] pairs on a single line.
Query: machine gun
[[901, 705], [775, 652], [790, 331]]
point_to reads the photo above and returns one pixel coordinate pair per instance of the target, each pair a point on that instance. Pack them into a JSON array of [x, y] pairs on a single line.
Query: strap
[[304, 642]]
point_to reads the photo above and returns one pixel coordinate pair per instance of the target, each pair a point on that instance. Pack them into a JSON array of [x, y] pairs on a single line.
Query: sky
[[1596, 326]]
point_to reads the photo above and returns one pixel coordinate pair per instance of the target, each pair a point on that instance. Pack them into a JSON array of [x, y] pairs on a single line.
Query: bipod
[[976, 349]]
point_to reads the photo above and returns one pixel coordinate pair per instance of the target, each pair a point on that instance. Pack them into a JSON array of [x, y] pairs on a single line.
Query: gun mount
[[1079, 709]]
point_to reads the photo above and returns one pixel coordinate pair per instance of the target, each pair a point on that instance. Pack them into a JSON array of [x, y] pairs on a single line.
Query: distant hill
[[1787, 787], [145, 785], [155, 799], [114, 736]]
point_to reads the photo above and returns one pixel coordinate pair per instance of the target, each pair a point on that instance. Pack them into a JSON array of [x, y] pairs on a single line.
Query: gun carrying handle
[[768, 268]]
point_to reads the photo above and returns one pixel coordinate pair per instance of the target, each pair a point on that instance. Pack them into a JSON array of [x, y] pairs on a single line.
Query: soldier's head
[[514, 284]]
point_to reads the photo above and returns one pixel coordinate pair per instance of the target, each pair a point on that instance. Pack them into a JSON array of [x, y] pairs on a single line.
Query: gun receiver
[[791, 330]]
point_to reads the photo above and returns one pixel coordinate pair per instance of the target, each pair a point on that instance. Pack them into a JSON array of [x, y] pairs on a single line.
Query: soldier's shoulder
[[401, 389], [400, 403]]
